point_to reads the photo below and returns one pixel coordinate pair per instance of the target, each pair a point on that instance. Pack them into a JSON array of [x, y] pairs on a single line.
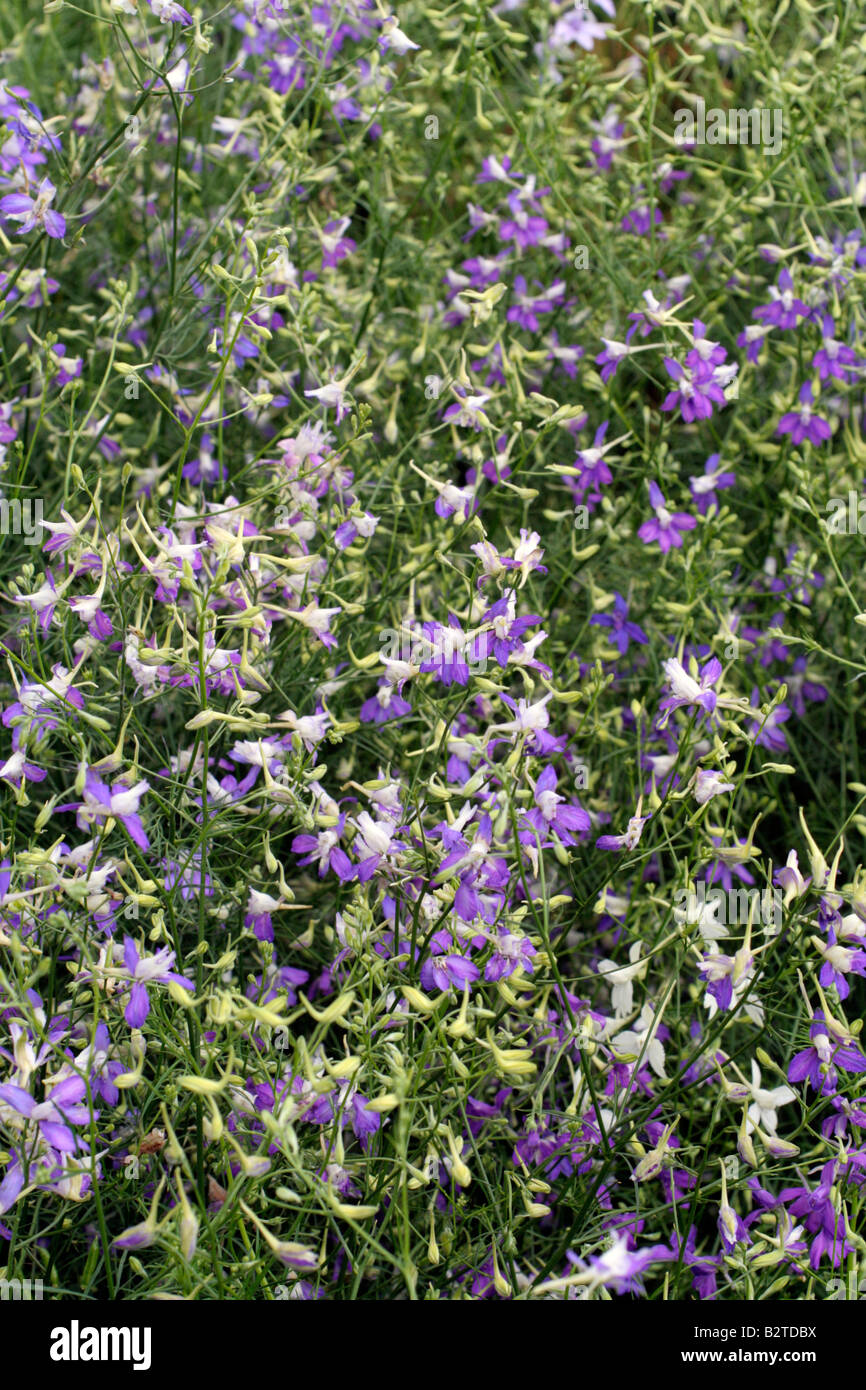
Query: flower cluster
[[416, 589]]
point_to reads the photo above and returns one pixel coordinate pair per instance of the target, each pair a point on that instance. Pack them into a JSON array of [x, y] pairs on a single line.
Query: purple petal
[[138, 1007], [13, 1182], [18, 1098]]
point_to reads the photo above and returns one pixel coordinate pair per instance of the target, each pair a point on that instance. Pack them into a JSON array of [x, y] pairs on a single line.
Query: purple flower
[[121, 803], [622, 631], [801, 689], [68, 368], [705, 486], [206, 469], [505, 639], [86, 607], [283, 979], [521, 226], [511, 953], [495, 170], [709, 782], [816, 1208], [10, 1189], [784, 308], [144, 970], [705, 1267], [103, 1072], [766, 732], [552, 812], [385, 705], [790, 879], [325, 850], [704, 352], [752, 339], [186, 878], [475, 863], [610, 138], [445, 966], [374, 843], [526, 307], [335, 246], [839, 961], [722, 872], [640, 219], [258, 918], [630, 839], [665, 526], [844, 1112], [686, 691], [43, 601], [610, 358], [35, 212], [820, 1062], [834, 359], [578, 26], [284, 74], [718, 972], [699, 386], [32, 710], [16, 770], [593, 472], [54, 1115], [467, 412], [803, 424], [170, 12], [364, 1122], [363, 526], [621, 1268], [445, 653]]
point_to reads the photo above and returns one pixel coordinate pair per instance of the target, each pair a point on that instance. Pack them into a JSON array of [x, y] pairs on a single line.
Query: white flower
[[393, 37], [709, 784], [259, 754], [791, 879], [703, 912], [683, 686], [621, 977], [527, 717], [765, 1103], [13, 766], [633, 1044], [40, 599], [315, 618], [471, 410], [125, 802], [310, 728], [155, 966], [259, 902], [528, 547], [547, 803], [375, 835]]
